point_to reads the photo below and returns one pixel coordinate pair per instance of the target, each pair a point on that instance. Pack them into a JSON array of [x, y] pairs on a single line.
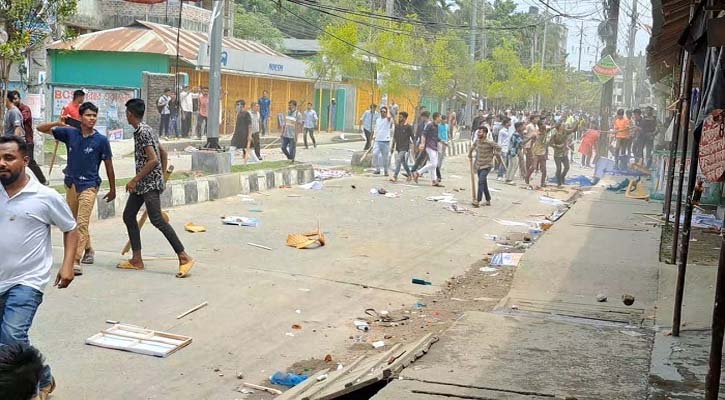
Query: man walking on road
[[265, 108], [514, 152], [310, 124], [485, 150], [13, 122], [256, 120], [29, 136], [240, 139], [368, 120], [145, 189], [86, 150], [622, 134], [201, 121], [290, 130], [27, 210], [381, 149], [186, 100], [429, 144], [402, 139], [503, 139]]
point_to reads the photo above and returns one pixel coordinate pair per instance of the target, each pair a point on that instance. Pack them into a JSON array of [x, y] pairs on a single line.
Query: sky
[[591, 10]]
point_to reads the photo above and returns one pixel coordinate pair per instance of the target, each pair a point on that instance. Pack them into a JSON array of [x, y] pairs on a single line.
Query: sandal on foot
[[88, 257], [184, 269], [127, 265], [77, 270]]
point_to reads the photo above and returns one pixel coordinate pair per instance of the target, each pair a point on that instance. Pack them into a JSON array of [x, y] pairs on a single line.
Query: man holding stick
[[485, 150], [145, 189]]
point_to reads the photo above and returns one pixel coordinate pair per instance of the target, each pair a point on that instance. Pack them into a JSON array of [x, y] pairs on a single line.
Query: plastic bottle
[[285, 379], [361, 325]]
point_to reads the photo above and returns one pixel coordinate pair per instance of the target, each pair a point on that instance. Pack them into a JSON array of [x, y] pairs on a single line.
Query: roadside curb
[[213, 187]]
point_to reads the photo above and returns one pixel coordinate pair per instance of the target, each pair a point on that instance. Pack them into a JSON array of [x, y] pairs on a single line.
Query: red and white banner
[[712, 147]]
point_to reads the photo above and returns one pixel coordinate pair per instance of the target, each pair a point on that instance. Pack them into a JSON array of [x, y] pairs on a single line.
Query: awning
[[670, 18]]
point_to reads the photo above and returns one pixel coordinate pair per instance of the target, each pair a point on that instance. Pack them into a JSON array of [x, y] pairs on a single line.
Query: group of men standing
[[28, 209]]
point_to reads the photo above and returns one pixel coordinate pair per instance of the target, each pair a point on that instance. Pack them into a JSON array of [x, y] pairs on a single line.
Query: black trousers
[[164, 125], [311, 132], [255, 145], [562, 168], [152, 200], [368, 138], [33, 165], [185, 123]]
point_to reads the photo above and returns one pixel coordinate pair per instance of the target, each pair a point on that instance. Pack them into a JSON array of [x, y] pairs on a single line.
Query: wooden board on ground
[[363, 371], [139, 340]]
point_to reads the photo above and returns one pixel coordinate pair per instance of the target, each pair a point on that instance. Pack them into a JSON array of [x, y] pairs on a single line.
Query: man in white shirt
[[504, 137], [163, 107], [381, 151], [27, 210], [186, 101], [310, 124]]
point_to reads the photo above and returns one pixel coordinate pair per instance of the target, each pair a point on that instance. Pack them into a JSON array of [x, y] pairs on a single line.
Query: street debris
[[602, 298], [627, 299], [314, 185], [506, 259], [378, 344], [191, 227], [509, 223], [191, 310], [139, 340], [262, 388], [490, 237], [419, 281], [551, 201], [240, 221], [287, 379], [458, 209], [259, 245], [361, 325], [487, 269], [325, 174], [305, 240], [297, 327], [246, 198], [446, 198]]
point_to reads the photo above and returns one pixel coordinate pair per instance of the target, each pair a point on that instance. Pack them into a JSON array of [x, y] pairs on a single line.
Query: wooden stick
[[191, 310], [266, 389], [52, 159], [259, 245], [474, 190]]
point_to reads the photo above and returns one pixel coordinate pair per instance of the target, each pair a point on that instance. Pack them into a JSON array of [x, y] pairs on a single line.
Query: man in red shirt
[[72, 109], [201, 121], [29, 139]]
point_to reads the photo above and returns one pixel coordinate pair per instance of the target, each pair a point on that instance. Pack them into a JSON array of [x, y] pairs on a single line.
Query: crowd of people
[[28, 209]]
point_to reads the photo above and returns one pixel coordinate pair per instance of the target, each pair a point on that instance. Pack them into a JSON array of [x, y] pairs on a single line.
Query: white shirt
[[383, 126], [504, 137], [164, 101], [310, 119], [187, 101], [26, 248]]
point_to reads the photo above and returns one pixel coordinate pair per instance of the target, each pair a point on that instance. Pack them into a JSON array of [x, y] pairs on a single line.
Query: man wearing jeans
[[265, 109], [290, 129], [27, 210], [165, 113], [429, 144], [368, 120], [402, 139], [86, 149], [381, 149], [29, 137], [145, 189]]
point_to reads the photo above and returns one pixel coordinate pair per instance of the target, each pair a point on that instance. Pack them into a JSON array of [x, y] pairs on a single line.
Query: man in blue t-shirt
[[265, 109], [86, 149]]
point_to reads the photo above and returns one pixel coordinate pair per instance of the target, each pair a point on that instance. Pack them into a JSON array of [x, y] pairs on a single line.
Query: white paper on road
[[505, 222], [552, 201], [314, 185], [240, 221], [487, 269], [506, 259]]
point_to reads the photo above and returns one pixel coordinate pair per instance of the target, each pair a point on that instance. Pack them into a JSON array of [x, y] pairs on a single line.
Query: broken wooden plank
[[331, 379], [294, 392], [262, 388], [191, 310], [415, 351]]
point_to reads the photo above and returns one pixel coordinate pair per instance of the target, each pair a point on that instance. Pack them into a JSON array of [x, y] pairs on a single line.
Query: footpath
[[550, 337]]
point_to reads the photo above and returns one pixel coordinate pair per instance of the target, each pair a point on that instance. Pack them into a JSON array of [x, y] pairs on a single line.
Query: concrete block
[[178, 195], [167, 197], [211, 162], [245, 184], [191, 192], [278, 178], [203, 190], [253, 183], [293, 176], [286, 178], [270, 178], [261, 181], [227, 185], [358, 161], [213, 187]]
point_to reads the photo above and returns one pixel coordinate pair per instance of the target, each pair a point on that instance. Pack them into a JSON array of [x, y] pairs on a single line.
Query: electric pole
[[483, 30], [629, 65], [215, 76], [469, 100], [608, 31], [543, 51], [581, 40]]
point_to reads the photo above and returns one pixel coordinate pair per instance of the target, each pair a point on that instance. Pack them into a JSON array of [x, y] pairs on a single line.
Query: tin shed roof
[[148, 37]]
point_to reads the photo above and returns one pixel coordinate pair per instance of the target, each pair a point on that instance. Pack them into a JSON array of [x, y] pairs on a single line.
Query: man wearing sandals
[[27, 210], [86, 149], [145, 188]]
